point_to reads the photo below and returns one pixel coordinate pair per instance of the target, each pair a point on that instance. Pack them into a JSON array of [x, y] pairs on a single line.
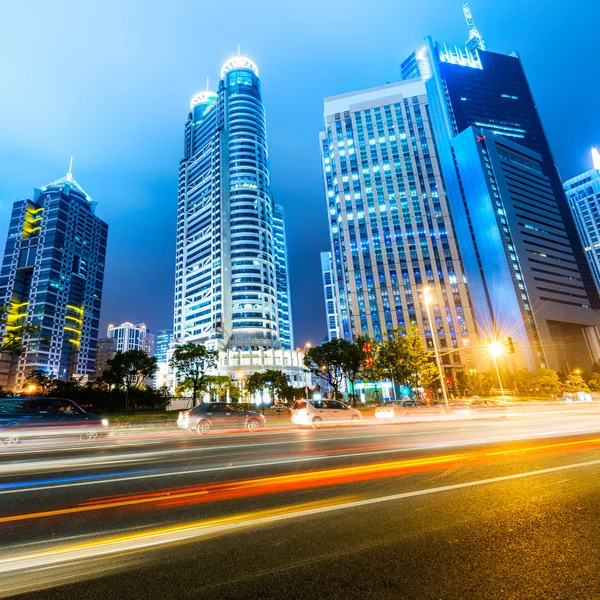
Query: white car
[[316, 413]]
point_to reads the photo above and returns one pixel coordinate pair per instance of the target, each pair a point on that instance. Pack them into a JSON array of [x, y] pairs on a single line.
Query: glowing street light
[[497, 349], [428, 299]]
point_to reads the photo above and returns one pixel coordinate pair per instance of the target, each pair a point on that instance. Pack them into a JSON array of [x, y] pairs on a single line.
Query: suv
[[316, 413], [25, 418]]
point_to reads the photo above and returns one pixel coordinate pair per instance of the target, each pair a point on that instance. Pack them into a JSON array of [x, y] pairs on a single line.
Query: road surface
[[460, 509]]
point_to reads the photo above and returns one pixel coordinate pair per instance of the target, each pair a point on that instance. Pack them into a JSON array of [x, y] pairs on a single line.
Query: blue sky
[[110, 82]]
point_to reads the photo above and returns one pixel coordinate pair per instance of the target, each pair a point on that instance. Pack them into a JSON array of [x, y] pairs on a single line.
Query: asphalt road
[[459, 509]]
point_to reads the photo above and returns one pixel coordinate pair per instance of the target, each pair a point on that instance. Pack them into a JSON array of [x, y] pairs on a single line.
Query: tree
[[575, 383], [127, 370], [217, 385], [407, 360], [192, 362], [272, 380], [326, 362], [40, 382], [15, 329], [547, 382], [354, 363]]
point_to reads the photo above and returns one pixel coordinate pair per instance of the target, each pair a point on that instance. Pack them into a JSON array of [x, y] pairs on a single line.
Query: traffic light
[[510, 347], [367, 349]]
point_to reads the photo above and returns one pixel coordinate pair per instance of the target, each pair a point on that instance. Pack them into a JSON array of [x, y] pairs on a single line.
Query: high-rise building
[[164, 339], [105, 351], [232, 288], [284, 306], [52, 276], [331, 308], [226, 292], [583, 193], [498, 168], [391, 232], [132, 337]]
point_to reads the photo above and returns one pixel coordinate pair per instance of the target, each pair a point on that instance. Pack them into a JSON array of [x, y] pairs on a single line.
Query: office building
[[490, 141], [164, 339], [331, 309], [132, 337], [391, 233], [105, 350], [52, 276], [583, 194], [284, 306], [231, 281]]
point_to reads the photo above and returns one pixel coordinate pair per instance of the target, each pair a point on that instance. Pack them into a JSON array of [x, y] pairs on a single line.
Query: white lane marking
[[148, 540], [233, 467]]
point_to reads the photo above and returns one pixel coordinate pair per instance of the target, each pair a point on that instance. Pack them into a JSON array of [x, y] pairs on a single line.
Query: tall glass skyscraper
[[391, 232], [231, 287], [499, 172], [583, 193], [329, 289], [52, 275]]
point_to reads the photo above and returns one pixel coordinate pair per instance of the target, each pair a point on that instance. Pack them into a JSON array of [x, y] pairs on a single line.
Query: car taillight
[[188, 415]]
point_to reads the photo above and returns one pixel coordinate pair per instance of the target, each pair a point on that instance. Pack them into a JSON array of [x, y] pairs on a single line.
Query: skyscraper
[[331, 308], [232, 289], [391, 233], [498, 170], [132, 337], [583, 193], [226, 288], [52, 276], [164, 338], [284, 308]]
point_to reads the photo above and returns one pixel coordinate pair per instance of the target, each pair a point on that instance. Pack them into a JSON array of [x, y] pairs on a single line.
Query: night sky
[[110, 83]]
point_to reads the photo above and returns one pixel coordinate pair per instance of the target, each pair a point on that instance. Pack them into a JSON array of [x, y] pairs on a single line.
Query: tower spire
[[596, 158], [476, 41], [70, 173]]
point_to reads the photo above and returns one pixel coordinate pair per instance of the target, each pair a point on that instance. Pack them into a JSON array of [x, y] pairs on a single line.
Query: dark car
[[219, 415], [32, 417]]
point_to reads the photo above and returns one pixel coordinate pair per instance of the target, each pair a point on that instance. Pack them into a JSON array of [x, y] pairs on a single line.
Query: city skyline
[[151, 195]]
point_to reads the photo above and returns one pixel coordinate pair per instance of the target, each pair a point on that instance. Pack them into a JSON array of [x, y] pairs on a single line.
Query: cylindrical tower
[[250, 207]]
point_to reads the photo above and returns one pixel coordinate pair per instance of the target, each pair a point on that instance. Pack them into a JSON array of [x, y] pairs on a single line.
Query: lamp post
[[428, 299], [307, 346], [496, 349]]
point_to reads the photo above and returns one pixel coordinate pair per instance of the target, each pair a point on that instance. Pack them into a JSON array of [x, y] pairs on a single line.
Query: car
[[28, 418], [280, 409], [408, 410], [478, 408], [219, 415], [316, 413]]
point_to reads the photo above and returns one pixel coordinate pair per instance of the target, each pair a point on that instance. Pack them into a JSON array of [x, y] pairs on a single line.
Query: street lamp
[[428, 299], [307, 346], [497, 349]]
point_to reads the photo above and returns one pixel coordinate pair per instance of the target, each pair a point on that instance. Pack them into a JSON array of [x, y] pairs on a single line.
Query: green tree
[[193, 362], [407, 360], [272, 380], [127, 371], [326, 362], [15, 329], [217, 386], [575, 383], [354, 363], [482, 383], [547, 382], [39, 382]]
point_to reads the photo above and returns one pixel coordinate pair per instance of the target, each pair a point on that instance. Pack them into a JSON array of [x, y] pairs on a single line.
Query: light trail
[[201, 529], [277, 484]]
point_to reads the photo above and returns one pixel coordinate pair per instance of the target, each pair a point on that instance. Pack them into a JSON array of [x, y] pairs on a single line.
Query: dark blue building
[[507, 199], [52, 275]]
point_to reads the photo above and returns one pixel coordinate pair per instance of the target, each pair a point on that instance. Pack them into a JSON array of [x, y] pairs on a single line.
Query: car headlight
[[104, 422]]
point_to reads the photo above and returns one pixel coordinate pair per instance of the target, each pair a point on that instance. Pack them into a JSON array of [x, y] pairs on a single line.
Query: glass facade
[[331, 308], [528, 277], [52, 275], [132, 337], [391, 233], [227, 272], [583, 194], [164, 338], [284, 307]]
